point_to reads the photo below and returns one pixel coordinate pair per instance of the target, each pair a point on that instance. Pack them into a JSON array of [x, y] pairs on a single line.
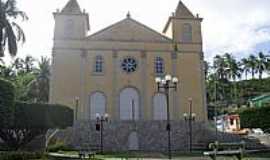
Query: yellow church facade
[[113, 71]]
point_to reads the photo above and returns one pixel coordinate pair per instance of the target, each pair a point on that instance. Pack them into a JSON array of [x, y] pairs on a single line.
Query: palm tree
[[17, 65], [268, 64], [219, 67], [39, 87], [7, 72], [262, 61], [245, 67], [252, 64], [233, 70], [10, 31], [206, 69], [28, 63]]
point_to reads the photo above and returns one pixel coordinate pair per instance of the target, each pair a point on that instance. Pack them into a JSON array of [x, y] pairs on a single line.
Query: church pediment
[[129, 30]]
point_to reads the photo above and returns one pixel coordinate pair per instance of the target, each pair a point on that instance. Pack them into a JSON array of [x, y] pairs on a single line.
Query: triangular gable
[[72, 7], [182, 11], [129, 30]]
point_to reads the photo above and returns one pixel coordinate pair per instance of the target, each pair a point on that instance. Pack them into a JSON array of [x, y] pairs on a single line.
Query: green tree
[[252, 65], [24, 65], [7, 72], [22, 82], [207, 68], [261, 64], [233, 70], [39, 87], [28, 64], [10, 32], [17, 65], [219, 67], [245, 67], [268, 65]]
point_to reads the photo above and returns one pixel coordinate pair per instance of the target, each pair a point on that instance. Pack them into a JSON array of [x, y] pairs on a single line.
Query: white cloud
[[228, 26], [233, 25]]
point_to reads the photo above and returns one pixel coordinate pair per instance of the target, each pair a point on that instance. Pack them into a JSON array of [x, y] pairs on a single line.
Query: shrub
[[42, 116], [20, 155], [255, 117], [32, 120], [7, 97]]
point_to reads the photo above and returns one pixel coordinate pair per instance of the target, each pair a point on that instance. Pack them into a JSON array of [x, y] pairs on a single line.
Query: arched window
[[129, 104], [187, 33], [99, 64], [160, 107], [159, 65], [97, 104]]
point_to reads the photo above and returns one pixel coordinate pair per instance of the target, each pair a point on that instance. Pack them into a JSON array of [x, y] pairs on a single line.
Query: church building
[[113, 71]]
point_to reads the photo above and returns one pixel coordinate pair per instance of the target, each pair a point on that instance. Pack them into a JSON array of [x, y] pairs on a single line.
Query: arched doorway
[[97, 104], [133, 141], [159, 107], [129, 104]]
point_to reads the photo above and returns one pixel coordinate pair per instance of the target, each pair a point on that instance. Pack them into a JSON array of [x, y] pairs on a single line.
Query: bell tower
[[71, 22], [184, 28]]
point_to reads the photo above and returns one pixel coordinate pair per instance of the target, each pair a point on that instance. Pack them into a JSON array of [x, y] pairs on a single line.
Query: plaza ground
[[190, 158], [180, 156]]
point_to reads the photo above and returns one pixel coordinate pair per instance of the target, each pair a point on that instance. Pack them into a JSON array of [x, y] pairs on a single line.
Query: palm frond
[[8, 38], [12, 11], [12, 43], [20, 34]]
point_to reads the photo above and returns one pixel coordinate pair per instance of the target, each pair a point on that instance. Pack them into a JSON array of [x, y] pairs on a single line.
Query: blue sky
[[239, 27]]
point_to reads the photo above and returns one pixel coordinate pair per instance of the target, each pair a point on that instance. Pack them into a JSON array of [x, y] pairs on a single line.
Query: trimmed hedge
[[255, 118], [42, 116], [32, 120], [21, 122], [20, 155], [7, 98]]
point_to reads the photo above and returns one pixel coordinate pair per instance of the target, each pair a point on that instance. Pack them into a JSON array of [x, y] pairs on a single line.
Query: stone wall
[[138, 135]]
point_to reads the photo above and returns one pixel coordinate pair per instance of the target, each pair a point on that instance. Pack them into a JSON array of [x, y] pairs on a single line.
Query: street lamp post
[[167, 83], [76, 107], [190, 117], [215, 119], [99, 127]]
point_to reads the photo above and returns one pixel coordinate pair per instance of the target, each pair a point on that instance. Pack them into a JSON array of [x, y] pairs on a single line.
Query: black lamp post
[[76, 107], [99, 127], [190, 117], [167, 83]]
